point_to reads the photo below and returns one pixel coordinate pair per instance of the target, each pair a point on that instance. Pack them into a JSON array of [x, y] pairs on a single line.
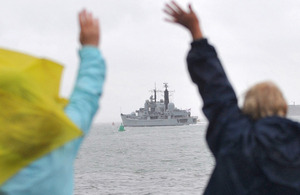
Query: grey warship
[[158, 113]]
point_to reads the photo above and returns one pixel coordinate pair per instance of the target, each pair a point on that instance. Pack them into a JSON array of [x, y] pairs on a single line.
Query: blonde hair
[[264, 99]]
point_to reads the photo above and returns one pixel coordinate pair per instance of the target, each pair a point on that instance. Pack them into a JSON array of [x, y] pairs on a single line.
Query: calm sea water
[[143, 160]]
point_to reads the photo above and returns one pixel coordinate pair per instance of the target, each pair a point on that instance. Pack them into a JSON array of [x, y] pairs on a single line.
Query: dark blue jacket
[[259, 157]]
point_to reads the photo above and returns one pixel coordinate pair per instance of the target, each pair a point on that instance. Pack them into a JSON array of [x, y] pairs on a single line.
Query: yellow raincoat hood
[[32, 119]]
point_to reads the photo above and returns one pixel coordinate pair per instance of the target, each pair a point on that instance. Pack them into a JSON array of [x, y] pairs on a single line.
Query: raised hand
[[187, 19], [89, 29]]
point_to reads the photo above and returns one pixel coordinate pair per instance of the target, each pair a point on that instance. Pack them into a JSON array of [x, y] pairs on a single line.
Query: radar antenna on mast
[[166, 85], [155, 91]]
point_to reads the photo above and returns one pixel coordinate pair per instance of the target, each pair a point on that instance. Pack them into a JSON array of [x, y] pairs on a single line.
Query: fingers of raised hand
[[172, 10], [177, 7], [191, 9], [89, 19], [82, 19], [86, 19]]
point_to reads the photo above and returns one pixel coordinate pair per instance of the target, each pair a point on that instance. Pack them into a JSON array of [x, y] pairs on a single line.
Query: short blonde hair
[[264, 99]]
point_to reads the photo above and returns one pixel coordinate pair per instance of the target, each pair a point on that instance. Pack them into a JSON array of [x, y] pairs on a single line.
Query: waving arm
[[90, 79], [206, 71]]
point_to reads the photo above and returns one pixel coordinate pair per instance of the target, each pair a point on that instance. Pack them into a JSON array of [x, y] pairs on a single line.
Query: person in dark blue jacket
[[256, 148]]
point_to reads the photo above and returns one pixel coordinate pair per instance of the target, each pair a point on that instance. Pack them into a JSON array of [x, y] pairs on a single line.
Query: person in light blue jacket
[[53, 173]]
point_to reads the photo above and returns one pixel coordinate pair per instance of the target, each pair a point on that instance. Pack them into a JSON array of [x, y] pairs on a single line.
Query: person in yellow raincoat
[[40, 133]]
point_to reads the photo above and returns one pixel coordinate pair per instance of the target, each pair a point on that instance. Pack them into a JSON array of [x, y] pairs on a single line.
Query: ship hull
[[131, 122]]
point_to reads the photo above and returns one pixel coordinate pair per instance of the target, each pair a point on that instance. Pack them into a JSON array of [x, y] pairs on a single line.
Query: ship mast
[[166, 96], [155, 92]]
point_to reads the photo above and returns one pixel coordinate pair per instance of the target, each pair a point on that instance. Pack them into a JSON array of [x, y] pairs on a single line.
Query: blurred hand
[[186, 19], [89, 29]]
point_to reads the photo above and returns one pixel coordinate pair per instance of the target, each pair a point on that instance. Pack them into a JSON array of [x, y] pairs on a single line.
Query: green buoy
[[121, 128]]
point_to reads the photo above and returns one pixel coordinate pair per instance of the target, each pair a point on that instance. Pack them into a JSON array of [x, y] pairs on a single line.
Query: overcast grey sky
[[257, 40]]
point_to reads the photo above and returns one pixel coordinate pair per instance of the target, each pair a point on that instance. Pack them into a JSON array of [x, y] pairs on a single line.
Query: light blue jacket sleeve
[[88, 88], [84, 100], [53, 173]]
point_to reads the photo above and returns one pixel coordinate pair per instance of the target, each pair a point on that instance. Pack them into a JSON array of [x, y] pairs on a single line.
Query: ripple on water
[[156, 160]]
